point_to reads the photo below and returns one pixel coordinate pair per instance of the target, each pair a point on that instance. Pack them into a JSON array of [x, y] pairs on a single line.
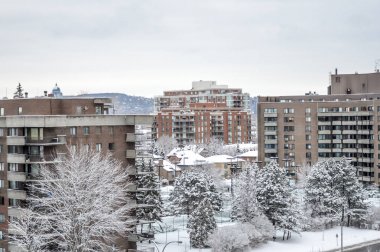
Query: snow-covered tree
[[201, 224], [148, 180], [214, 146], [164, 145], [276, 201], [190, 188], [333, 191], [30, 231], [83, 198], [245, 205]]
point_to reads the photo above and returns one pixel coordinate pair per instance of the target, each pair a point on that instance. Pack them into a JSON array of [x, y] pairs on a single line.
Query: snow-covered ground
[[307, 242]]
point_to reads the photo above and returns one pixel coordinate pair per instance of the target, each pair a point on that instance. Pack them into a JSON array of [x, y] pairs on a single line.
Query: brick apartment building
[[300, 130], [205, 111], [33, 131]]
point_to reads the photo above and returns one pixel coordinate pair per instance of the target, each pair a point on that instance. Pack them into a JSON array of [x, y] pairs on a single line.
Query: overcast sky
[[142, 47]]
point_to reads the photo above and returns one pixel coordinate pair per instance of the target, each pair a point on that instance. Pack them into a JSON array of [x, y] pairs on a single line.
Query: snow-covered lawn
[[307, 242]]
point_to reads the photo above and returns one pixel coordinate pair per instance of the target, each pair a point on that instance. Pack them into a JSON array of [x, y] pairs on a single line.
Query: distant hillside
[[127, 104]]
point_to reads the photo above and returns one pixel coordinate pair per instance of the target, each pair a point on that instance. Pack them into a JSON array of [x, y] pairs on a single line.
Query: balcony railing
[[48, 140]]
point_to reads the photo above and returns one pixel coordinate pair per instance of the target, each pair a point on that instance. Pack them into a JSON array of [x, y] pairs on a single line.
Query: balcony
[[16, 176], [15, 140], [130, 137], [131, 170], [270, 123], [46, 141], [130, 154], [270, 132], [270, 141], [16, 194], [14, 211], [39, 159], [16, 158], [270, 151], [270, 114]]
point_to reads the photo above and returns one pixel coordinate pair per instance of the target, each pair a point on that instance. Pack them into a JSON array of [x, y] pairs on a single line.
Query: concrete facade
[[354, 83], [300, 130], [34, 132]]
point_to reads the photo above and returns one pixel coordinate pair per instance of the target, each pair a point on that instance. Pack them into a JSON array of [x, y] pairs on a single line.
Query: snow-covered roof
[[188, 157], [220, 159], [249, 154], [168, 166]]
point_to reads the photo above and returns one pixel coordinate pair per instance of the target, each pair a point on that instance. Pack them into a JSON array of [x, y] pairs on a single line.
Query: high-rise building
[[300, 130], [205, 111], [34, 131]]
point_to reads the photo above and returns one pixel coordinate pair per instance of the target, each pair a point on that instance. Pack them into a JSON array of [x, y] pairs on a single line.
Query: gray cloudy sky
[[142, 47]]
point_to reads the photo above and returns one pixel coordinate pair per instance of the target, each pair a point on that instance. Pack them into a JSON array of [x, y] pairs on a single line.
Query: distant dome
[[57, 91]]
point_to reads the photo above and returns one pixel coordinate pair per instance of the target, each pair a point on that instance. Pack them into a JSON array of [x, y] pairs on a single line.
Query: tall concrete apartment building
[[300, 130], [34, 131], [206, 110]]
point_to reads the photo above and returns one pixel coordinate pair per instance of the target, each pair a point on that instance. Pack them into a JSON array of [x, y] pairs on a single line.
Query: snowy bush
[[242, 236], [229, 239]]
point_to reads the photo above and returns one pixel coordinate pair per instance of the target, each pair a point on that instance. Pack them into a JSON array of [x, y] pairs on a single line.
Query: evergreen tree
[[245, 205], [333, 191], [19, 92], [148, 180], [275, 198], [201, 224], [190, 188]]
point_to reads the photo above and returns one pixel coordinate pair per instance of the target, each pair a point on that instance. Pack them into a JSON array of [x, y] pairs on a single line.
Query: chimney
[[336, 71], [26, 94], [45, 93]]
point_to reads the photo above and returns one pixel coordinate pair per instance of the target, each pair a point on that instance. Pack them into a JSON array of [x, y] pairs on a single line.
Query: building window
[[12, 167], [1, 132], [288, 119], [2, 200], [308, 110], [308, 146], [98, 130], [270, 110], [86, 147], [308, 137], [111, 146], [110, 130], [73, 131], [308, 128], [98, 110], [2, 218], [74, 147], [308, 118], [288, 110], [1, 166], [1, 148], [19, 110], [86, 130], [288, 128], [1, 111], [98, 147], [1, 183], [12, 132]]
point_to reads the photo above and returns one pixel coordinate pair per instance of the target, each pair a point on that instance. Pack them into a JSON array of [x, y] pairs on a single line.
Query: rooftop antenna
[[377, 65]]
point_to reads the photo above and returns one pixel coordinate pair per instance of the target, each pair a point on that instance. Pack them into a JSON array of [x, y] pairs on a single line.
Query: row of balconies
[[26, 140]]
